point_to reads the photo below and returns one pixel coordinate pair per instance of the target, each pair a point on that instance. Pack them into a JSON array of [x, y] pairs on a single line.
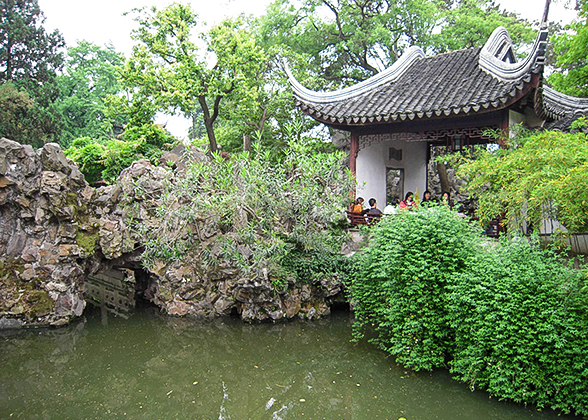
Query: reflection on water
[[161, 368]]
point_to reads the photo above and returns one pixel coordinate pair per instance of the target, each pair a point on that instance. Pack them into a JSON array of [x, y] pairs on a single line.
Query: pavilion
[[397, 117]]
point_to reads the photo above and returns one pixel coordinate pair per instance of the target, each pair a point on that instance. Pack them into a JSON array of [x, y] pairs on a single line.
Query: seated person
[[374, 213], [427, 198], [446, 199], [392, 208], [373, 207], [356, 206], [408, 203]]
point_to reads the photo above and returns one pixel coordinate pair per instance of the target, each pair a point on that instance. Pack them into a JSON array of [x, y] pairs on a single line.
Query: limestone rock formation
[[194, 285], [56, 230], [45, 235]]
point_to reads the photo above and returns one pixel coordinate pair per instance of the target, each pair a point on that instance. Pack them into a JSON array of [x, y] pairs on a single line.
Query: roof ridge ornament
[[497, 57], [390, 74]]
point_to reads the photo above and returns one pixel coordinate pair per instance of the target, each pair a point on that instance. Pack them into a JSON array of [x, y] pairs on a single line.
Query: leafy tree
[[14, 107], [168, 68], [571, 48], [89, 77], [469, 23], [345, 41], [29, 59], [348, 40], [260, 113], [540, 175]]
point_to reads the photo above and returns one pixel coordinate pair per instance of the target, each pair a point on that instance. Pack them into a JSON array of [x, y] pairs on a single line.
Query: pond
[[154, 367]]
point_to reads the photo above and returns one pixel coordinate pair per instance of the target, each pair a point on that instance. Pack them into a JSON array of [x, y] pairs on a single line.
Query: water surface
[[153, 367]]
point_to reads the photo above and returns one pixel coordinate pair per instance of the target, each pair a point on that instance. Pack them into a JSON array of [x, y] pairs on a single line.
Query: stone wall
[[56, 230]]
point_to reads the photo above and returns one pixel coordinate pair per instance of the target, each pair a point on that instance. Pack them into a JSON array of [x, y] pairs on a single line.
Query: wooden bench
[[373, 218], [356, 219]]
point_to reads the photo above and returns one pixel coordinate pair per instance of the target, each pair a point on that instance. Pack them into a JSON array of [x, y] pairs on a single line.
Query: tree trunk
[[442, 172], [247, 143], [211, 136], [208, 123]]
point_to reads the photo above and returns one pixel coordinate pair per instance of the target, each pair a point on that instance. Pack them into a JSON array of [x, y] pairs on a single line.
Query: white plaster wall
[[372, 162], [531, 118], [515, 118]]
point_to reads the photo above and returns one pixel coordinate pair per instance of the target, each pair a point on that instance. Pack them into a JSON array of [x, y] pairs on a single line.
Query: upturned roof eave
[[472, 110]]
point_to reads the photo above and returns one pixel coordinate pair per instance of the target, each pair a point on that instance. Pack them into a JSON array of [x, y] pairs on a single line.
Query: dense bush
[[105, 160], [401, 278], [309, 265], [507, 317], [88, 156], [521, 323]]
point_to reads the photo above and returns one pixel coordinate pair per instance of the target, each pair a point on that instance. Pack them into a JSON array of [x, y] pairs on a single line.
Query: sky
[[102, 22]]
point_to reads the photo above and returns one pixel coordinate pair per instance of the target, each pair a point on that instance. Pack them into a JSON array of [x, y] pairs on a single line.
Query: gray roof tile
[[452, 83]]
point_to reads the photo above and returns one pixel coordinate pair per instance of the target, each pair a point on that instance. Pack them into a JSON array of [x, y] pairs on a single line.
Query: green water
[[151, 367]]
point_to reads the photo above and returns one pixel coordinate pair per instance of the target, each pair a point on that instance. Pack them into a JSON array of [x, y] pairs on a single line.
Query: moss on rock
[[40, 303], [9, 270], [87, 241]]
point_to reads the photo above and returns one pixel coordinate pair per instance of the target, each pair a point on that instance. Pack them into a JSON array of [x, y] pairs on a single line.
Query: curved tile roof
[[459, 82], [558, 105]]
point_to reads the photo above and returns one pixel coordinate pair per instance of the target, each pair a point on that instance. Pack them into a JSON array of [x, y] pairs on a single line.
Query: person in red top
[[408, 203]]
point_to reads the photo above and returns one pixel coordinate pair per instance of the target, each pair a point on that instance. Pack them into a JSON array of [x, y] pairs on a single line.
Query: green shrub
[[400, 280], [105, 161], [89, 157], [152, 134], [521, 324], [508, 317], [310, 265], [274, 219]]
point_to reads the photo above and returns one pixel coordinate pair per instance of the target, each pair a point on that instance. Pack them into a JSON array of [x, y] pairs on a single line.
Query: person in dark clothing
[[373, 207], [427, 198], [446, 199], [374, 213]]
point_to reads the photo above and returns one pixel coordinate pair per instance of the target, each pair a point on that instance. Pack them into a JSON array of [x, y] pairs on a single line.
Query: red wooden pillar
[[353, 153], [504, 129], [353, 160]]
